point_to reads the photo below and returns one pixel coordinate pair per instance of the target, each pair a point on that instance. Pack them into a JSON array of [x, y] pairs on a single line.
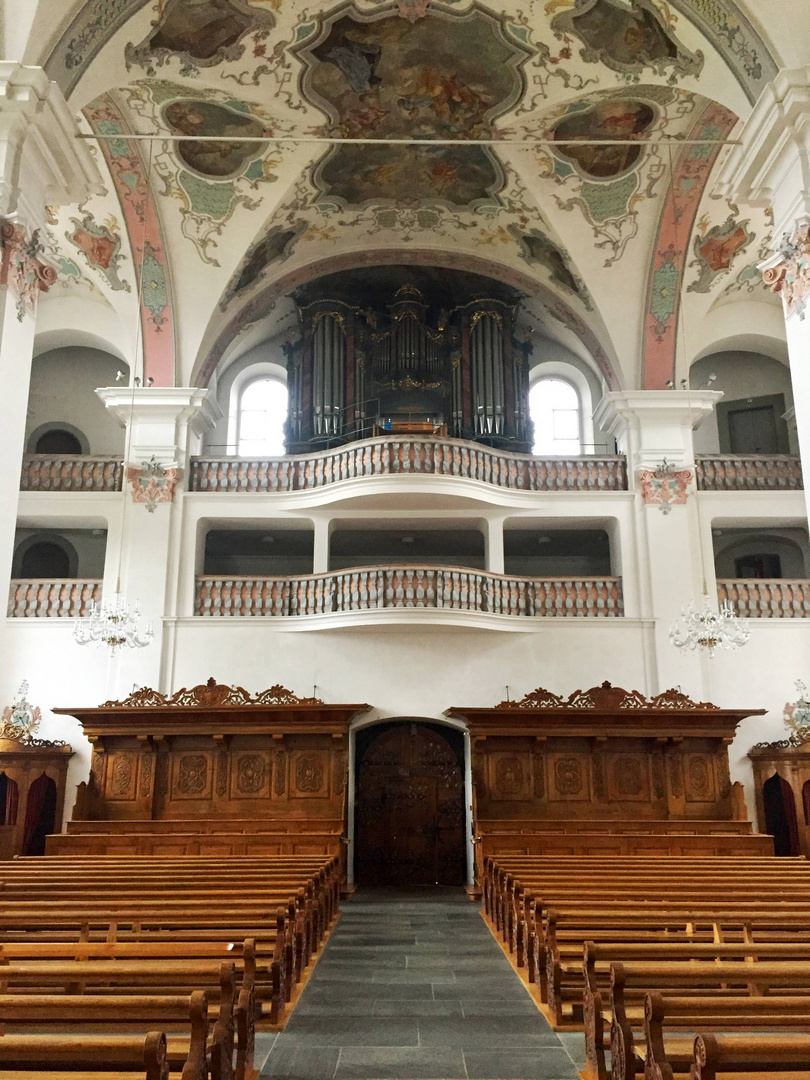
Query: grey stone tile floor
[[412, 986]]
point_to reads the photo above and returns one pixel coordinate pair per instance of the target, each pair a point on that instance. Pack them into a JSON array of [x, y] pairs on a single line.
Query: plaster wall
[[63, 384], [740, 375]]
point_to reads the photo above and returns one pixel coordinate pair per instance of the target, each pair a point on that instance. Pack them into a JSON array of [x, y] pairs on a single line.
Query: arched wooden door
[[409, 806]]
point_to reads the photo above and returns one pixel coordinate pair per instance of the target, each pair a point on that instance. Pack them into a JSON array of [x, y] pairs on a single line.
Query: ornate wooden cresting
[[599, 755], [217, 752]]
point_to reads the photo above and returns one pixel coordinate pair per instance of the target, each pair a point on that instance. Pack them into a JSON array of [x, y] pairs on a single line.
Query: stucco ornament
[[21, 269], [797, 715], [153, 482], [790, 273], [665, 486], [20, 721]]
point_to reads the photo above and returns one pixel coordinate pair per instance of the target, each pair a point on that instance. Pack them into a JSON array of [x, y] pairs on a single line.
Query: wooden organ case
[[361, 372], [214, 761]]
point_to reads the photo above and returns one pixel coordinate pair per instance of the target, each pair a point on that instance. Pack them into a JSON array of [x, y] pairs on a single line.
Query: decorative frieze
[[767, 598], [411, 587], [409, 457], [44, 472]]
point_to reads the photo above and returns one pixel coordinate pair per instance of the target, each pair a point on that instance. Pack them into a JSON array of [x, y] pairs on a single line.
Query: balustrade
[[393, 457], [38, 598], [45, 472], [767, 598], [743, 472], [409, 587]]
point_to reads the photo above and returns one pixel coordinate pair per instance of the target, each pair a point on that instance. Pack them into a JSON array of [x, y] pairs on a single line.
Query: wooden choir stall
[[606, 771], [212, 769]]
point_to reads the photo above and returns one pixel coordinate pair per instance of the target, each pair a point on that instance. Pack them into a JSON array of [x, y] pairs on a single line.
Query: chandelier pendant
[[111, 624], [709, 629]]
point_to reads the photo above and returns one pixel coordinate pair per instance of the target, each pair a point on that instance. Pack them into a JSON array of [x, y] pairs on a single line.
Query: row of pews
[[653, 956], [158, 967]]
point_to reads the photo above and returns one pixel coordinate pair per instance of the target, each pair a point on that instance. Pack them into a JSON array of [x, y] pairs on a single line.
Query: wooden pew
[[703, 1057], [32, 1057], [700, 983]]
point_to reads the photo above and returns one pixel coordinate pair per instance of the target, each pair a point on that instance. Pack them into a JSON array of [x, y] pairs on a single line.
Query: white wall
[[63, 385]]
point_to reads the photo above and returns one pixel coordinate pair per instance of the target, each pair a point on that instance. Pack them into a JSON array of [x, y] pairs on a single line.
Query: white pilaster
[[652, 427], [165, 427]]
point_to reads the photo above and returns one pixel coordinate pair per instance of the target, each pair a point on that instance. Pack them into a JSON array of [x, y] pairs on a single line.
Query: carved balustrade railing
[[40, 598], [767, 598], [47, 472], [748, 472], [409, 587], [393, 457]]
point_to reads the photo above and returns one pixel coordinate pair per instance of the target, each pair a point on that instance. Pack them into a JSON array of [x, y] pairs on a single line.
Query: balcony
[[43, 599], [45, 472], [767, 598], [741, 472], [410, 587], [409, 457]]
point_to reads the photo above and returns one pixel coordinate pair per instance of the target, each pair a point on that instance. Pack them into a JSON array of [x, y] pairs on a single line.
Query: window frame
[[242, 381], [552, 373]]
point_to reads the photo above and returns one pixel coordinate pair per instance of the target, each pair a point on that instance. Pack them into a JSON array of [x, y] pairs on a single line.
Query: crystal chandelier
[[111, 623], [709, 629]]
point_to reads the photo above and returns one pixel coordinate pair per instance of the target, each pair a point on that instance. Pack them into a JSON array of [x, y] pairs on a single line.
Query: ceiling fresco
[[547, 146]]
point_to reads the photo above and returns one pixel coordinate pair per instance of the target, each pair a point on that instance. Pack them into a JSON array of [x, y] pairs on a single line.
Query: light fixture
[[111, 623], [407, 539], [708, 629]]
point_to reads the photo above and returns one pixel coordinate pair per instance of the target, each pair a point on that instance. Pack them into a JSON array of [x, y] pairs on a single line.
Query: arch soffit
[[366, 721], [211, 354]]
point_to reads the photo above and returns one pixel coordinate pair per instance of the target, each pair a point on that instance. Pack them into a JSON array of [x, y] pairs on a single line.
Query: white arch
[[365, 721], [64, 321]]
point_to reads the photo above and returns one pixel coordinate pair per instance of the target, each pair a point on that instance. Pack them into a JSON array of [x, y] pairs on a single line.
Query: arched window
[[556, 413], [262, 415]]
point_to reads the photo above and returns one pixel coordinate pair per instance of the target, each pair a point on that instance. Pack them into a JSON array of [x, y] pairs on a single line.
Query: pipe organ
[[359, 372]]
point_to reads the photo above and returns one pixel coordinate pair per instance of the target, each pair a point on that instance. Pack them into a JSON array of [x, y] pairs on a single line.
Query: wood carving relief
[[598, 775], [629, 781], [658, 777], [568, 778], [700, 780], [222, 773], [676, 776], [509, 778], [251, 774], [121, 776], [193, 780], [281, 774], [310, 774], [147, 775]]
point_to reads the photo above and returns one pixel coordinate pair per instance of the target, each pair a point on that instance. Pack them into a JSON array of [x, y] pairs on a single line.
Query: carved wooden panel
[[251, 774], [510, 776], [309, 774], [192, 774], [146, 775], [700, 781], [628, 779], [568, 777], [120, 776]]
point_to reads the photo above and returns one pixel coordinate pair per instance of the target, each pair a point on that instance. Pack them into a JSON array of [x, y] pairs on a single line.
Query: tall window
[[555, 410], [262, 414]]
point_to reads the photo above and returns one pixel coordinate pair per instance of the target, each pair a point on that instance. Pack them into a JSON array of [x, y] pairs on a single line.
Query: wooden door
[[409, 809]]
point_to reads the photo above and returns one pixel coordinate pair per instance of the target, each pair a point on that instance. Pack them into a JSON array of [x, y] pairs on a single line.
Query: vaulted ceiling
[[564, 147]]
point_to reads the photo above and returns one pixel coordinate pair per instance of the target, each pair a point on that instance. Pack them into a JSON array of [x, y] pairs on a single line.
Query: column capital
[[41, 159], [162, 416], [771, 166], [651, 425]]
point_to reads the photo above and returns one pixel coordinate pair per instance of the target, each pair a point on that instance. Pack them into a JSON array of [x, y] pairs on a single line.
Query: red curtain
[[9, 800], [40, 815]]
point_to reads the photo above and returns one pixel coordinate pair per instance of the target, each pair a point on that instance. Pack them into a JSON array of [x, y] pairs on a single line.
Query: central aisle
[[413, 985]]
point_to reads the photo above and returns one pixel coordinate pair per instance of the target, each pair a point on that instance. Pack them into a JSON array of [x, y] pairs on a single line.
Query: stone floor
[[413, 985]]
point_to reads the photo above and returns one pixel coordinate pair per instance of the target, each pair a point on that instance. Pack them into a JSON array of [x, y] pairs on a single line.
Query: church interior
[[401, 679]]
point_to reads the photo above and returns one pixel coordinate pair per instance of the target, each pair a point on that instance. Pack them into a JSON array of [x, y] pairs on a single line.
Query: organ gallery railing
[[767, 598], [40, 598], [748, 472], [393, 457], [46, 472], [414, 587]]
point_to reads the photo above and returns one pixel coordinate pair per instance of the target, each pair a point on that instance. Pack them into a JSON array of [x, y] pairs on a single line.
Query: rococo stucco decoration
[[629, 38], [21, 268], [715, 250], [665, 486], [101, 247], [789, 271], [386, 79], [152, 482]]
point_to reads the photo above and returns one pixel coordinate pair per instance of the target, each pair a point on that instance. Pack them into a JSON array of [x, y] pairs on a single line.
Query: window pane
[[262, 414], [555, 411]]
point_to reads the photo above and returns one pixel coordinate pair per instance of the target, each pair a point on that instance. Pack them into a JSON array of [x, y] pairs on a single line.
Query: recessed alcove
[[406, 546], [539, 552], [268, 552]]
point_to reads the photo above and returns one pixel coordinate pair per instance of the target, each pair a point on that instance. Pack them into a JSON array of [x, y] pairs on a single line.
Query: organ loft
[[404, 531]]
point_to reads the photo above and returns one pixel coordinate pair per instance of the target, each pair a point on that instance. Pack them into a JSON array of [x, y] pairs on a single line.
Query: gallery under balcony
[[763, 572], [56, 573]]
